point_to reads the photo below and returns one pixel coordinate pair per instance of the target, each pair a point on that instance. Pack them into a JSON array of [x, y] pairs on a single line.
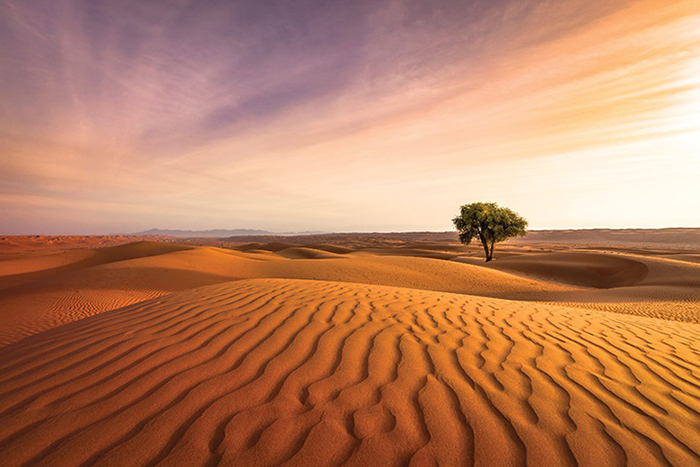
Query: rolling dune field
[[418, 354]]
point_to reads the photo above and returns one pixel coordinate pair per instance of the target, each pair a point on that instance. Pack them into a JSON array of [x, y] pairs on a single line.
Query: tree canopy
[[490, 223]]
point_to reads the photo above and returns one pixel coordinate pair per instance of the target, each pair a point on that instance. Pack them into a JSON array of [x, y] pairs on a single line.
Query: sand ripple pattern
[[278, 371]]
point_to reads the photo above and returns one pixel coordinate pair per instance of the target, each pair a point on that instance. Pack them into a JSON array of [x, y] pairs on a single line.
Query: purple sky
[[119, 116]]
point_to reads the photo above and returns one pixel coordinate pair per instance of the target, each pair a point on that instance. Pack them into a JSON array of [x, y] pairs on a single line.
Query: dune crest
[[270, 371], [53, 288]]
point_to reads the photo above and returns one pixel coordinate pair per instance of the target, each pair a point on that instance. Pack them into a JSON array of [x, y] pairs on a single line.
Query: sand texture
[[267, 372], [276, 354], [41, 290]]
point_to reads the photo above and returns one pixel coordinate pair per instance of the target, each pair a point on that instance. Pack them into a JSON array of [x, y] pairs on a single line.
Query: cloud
[[311, 116]]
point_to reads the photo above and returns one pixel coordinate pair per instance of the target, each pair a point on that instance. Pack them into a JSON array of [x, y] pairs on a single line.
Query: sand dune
[[50, 289], [656, 283], [119, 276], [26, 243], [263, 372], [21, 268], [669, 290], [56, 288], [306, 253], [684, 238], [664, 238], [585, 269], [416, 354]]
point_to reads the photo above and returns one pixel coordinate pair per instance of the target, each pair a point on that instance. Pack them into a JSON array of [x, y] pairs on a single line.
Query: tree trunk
[[486, 249], [484, 242]]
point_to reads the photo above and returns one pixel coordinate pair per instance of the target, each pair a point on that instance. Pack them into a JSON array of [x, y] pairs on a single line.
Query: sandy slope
[[118, 276], [56, 288], [22, 268], [28, 243], [262, 372], [41, 291]]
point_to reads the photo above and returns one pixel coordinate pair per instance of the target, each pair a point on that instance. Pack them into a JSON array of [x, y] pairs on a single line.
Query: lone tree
[[490, 223]]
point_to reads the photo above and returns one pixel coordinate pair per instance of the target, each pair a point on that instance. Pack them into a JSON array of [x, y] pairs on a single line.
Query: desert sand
[[11, 244], [364, 353]]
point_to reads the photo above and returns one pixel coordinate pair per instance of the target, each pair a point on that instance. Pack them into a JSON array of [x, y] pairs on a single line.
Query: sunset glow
[[380, 115]]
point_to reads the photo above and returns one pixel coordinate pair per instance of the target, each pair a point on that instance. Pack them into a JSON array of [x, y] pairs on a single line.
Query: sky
[[118, 116]]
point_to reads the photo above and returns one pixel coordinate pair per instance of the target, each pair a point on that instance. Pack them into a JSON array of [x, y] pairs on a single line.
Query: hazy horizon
[[122, 116], [349, 230]]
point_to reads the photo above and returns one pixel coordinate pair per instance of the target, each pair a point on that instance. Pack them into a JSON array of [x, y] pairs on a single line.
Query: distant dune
[[202, 233], [672, 237], [41, 290], [688, 238], [11, 244], [372, 352]]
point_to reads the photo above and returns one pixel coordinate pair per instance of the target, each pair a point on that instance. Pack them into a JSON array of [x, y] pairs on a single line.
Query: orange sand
[[384, 356]]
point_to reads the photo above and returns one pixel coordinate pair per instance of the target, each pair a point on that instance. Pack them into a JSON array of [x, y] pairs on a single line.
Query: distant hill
[[218, 233], [671, 237], [661, 238], [345, 237]]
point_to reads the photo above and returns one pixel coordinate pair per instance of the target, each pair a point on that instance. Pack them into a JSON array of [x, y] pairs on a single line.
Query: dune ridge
[[35, 243], [129, 274], [51, 289], [274, 371]]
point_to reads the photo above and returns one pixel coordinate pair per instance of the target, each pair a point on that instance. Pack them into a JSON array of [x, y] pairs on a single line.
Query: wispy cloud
[[294, 115]]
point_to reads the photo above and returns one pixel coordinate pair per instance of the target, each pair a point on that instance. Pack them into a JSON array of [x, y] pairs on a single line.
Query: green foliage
[[490, 223]]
